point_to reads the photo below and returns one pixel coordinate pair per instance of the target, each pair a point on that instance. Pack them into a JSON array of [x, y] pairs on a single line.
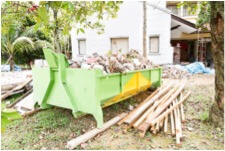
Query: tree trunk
[[11, 63], [217, 50], [144, 29], [56, 32]]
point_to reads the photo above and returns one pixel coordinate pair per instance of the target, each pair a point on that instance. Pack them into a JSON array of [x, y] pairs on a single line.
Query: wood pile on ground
[[155, 112], [113, 63], [174, 73], [18, 83], [16, 88]]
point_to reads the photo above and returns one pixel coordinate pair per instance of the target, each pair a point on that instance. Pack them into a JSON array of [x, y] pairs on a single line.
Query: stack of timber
[[155, 112], [12, 89]]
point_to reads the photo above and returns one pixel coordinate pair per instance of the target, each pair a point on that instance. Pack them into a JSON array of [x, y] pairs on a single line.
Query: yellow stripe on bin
[[135, 85]]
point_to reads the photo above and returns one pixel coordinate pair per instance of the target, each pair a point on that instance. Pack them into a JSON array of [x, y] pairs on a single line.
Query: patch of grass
[[204, 116], [26, 132]]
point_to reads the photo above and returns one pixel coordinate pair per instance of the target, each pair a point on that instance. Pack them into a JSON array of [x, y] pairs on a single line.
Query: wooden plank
[[151, 109], [182, 109], [9, 93], [9, 86], [158, 111], [166, 124], [142, 108], [85, 137], [157, 126], [172, 123], [31, 112], [160, 117], [176, 124], [132, 112], [179, 119], [152, 128], [161, 123], [20, 98], [142, 118]]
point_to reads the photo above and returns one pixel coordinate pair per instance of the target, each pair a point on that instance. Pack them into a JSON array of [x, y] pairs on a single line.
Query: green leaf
[[82, 30], [11, 115], [43, 14], [4, 123]]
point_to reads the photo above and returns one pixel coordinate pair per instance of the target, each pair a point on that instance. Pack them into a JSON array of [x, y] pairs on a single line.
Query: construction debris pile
[[23, 85], [174, 73], [15, 88], [15, 77], [155, 112], [113, 63]]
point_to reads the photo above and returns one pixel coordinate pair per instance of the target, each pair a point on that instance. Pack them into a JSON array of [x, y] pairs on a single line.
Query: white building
[[125, 32]]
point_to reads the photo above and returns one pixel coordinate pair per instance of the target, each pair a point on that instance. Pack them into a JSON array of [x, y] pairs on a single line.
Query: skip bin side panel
[[156, 76], [58, 96], [108, 87], [41, 81], [82, 84]]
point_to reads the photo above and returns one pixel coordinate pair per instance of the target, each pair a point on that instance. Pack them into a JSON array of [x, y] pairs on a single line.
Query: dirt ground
[[52, 128]]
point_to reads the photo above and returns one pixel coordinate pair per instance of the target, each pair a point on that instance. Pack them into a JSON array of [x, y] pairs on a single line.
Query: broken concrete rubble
[[174, 73], [113, 63]]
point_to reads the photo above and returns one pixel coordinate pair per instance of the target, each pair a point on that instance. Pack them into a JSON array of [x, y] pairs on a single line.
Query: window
[[119, 45], [82, 46], [154, 44]]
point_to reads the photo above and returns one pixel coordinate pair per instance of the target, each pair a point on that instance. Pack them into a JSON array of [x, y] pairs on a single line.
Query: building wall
[[159, 24], [129, 24]]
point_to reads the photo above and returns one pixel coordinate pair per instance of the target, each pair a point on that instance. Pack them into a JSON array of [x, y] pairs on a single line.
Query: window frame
[[78, 42], [154, 36], [120, 37]]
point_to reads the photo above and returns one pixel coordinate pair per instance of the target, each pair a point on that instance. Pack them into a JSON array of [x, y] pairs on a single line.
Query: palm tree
[[14, 41]]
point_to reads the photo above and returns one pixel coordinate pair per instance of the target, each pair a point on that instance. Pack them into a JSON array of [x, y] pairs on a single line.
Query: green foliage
[[7, 116], [204, 116], [20, 41], [203, 14], [56, 18]]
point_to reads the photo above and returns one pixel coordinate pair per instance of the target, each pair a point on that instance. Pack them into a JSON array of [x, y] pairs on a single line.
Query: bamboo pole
[[85, 137], [142, 108]]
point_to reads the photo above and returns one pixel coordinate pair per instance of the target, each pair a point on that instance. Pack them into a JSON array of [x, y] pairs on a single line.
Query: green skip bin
[[86, 90]]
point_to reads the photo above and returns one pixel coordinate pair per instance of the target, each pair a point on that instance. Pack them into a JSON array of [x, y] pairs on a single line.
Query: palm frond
[[39, 44], [23, 44], [29, 32]]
